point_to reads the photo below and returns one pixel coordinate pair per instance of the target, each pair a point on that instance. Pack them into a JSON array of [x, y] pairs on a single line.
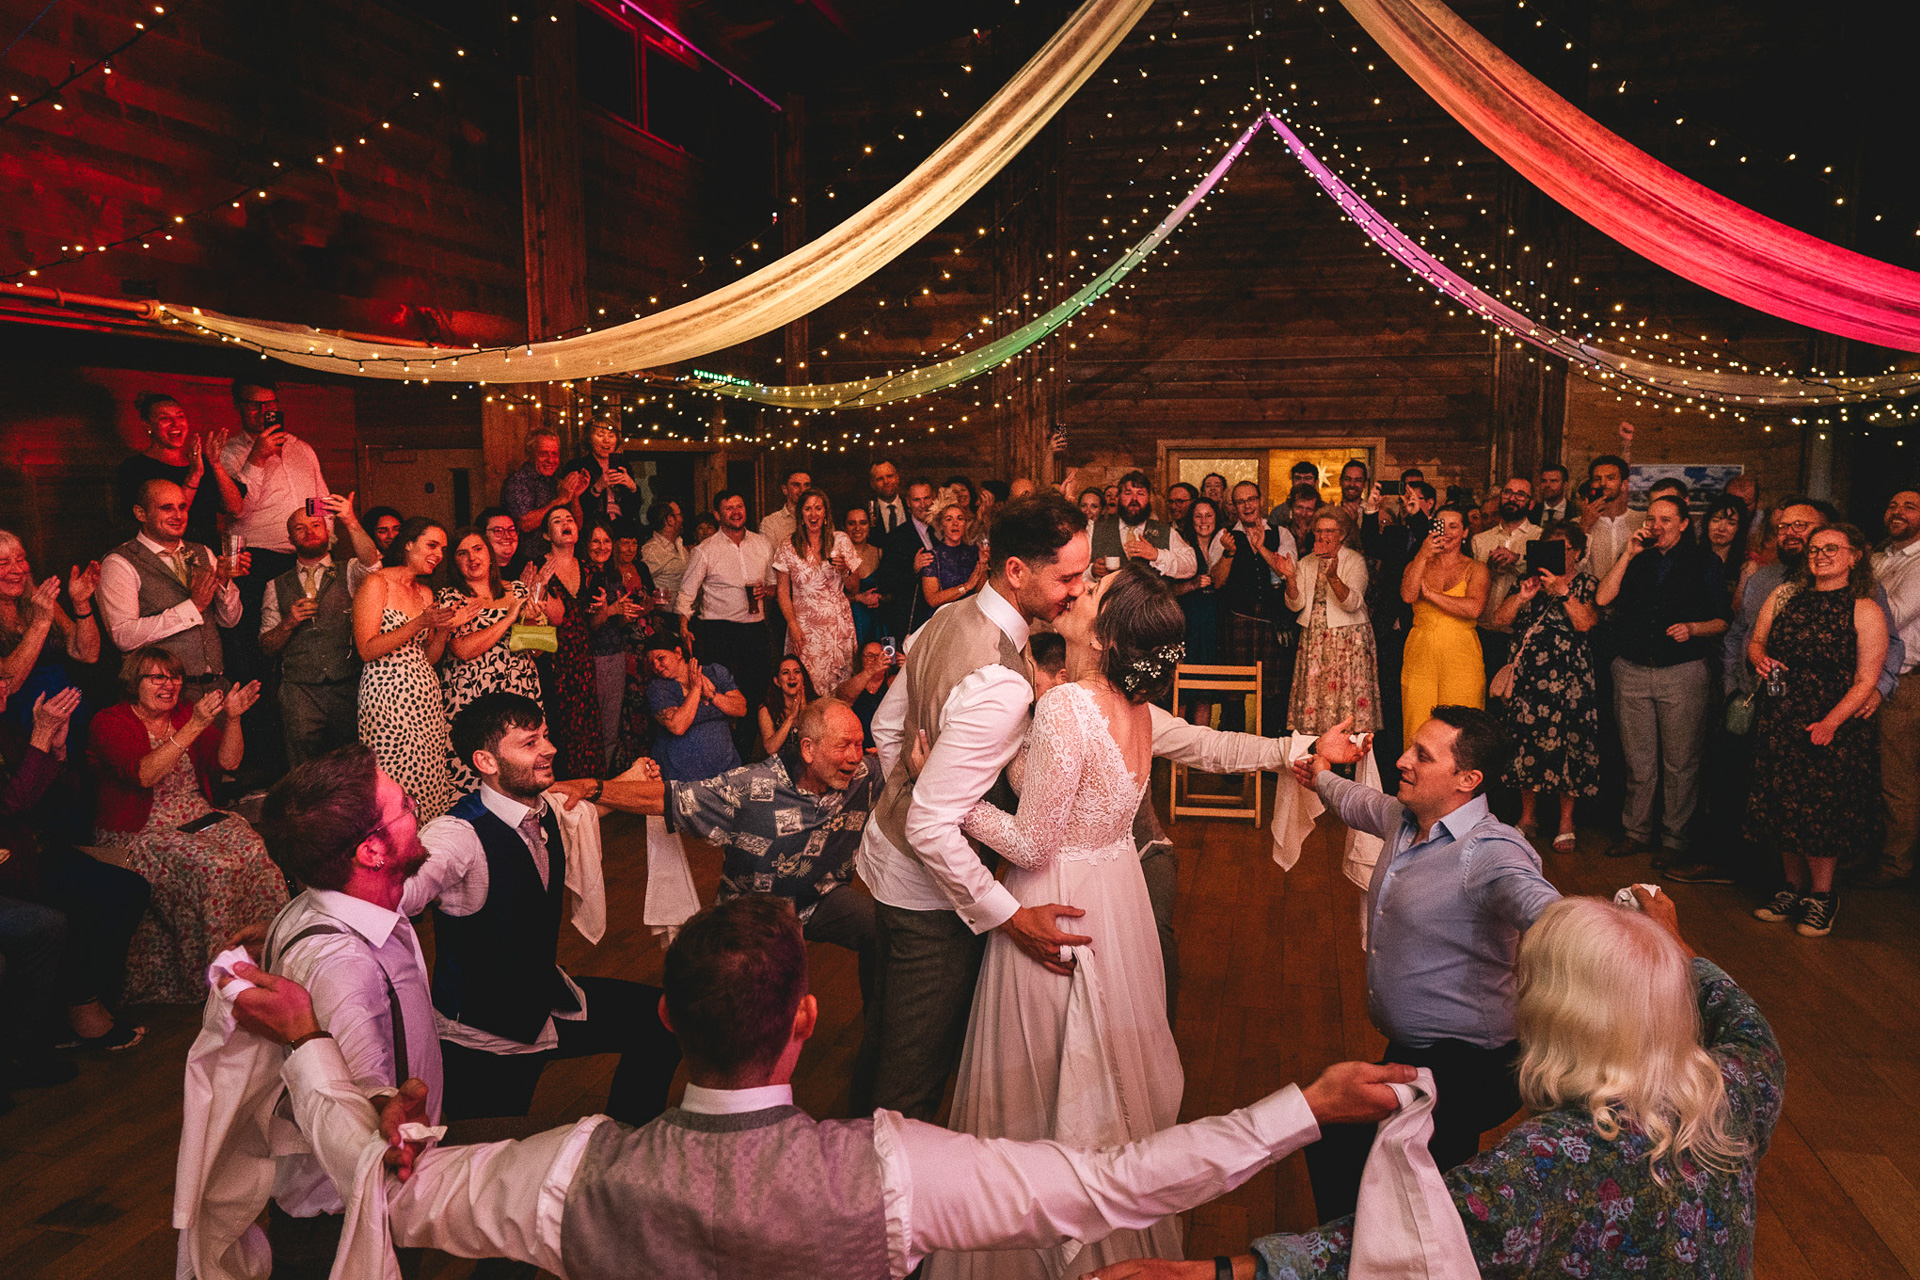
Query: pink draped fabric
[[1653, 210]]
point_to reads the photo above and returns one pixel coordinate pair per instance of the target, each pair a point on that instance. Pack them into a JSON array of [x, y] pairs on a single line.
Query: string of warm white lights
[[141, 29]]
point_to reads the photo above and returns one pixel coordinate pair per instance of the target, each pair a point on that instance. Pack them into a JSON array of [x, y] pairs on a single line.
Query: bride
[[1088, 1059]]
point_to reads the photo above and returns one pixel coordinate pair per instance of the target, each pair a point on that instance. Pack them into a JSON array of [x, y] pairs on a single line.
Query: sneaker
[[1816, 915], [1784, 908]]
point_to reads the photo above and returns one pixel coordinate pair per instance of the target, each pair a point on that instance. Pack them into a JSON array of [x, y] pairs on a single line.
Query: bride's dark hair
[[1142, 629]]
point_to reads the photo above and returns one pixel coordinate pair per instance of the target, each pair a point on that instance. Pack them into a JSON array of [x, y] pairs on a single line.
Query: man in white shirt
[[778, 526], [726, 580], [500, 864], [664, 554], [1897, 569], [1503, 549], [161, 590], [967, 684], [349, 833], [1132, 532], [886, 508], [280, 471], [738, 1181]]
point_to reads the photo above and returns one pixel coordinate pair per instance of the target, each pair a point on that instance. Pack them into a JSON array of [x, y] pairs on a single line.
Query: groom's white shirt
[[981, 729]]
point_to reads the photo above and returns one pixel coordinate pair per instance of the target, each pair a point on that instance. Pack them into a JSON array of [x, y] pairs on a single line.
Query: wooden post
[[1028, 247]]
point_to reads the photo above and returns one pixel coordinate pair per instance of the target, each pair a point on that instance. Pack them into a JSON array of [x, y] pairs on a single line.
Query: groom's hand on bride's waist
[[1035, 931]]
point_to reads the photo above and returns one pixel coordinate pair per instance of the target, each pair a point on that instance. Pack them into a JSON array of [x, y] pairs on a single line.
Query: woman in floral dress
[[401, 632], [815, 568], [155, 759], [477, 659], [1553, 713], [1335, 675]]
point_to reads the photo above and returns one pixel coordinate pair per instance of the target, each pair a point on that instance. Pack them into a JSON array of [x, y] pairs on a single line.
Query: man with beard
[[347, 832], [306, 619], [1503, 549], [1133, 533], [496, 874], [1608, 520], [1353, 489]]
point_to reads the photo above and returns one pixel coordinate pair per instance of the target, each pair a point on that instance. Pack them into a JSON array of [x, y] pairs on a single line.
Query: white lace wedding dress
[[1087, 1060]]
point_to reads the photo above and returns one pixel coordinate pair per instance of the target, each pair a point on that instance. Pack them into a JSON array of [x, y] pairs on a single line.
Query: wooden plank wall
[[1276, 317]]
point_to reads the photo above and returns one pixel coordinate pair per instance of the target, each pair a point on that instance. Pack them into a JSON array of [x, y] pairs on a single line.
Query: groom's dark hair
[[734, 978], [1032, 530]]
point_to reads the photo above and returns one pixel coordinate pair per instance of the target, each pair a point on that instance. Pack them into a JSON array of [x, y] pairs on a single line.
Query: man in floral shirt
[[790, 826]]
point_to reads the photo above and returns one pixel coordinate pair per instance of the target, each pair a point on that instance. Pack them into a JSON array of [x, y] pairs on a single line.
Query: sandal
[[124, 1035], [1564, 842]]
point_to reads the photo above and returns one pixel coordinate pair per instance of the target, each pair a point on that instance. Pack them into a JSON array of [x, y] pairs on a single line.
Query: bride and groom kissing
[[1060, 1035]]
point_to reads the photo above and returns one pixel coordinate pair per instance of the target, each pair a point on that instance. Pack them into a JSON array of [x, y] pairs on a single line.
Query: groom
[[968, 685]]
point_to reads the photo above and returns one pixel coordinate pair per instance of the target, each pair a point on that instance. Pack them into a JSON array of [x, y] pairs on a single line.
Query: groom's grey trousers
[[923, 996]]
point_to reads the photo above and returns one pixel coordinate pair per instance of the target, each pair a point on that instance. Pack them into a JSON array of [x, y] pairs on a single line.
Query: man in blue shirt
[[1452, 892]]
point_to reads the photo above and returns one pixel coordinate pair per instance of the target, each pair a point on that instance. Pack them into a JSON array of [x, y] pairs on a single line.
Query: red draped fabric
[[1658, 213]]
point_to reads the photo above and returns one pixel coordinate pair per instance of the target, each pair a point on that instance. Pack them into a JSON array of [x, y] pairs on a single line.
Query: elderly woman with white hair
[[1655, 1084]]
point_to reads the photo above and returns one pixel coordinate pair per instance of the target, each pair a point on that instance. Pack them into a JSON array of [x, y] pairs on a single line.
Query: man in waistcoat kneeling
[[737, 1181]]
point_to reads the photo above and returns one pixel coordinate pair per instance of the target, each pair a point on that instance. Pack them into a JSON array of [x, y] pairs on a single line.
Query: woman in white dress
[[1088, 1060]]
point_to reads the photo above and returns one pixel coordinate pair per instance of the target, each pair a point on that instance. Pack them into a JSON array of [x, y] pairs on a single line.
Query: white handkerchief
[[1406, 1226], [222, 967], [671, 900]]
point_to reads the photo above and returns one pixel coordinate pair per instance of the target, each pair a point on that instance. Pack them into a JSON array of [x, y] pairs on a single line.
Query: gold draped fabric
[[779, 292]]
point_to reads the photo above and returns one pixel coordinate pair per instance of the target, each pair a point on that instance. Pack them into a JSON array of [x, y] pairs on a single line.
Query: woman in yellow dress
[[1447, 589]]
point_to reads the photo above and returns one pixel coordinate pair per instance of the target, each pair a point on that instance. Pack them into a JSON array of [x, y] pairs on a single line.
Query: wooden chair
[[1230, 681]]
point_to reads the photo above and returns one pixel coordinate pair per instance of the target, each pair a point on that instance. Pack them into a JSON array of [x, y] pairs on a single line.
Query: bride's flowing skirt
[[1031, 1069]]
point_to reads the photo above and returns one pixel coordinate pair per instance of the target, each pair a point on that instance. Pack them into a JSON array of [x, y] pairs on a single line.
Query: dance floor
[[1272, 989]]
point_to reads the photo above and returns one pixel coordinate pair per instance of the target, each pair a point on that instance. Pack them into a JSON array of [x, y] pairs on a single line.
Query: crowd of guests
[[1734, 688]]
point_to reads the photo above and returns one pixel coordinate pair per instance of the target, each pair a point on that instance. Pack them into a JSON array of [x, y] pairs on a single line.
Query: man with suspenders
[[348, 832]]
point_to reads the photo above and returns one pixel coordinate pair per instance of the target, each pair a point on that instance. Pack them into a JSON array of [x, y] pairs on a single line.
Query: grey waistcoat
[[762, 1195], [198, 648], [321, 649], [958, 641]]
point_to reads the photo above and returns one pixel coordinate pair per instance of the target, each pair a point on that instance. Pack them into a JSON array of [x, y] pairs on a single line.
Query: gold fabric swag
[[779, 292]]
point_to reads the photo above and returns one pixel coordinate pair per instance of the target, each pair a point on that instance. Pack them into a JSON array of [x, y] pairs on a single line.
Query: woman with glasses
[[1334, 675], [1818, 646], [156, 757]]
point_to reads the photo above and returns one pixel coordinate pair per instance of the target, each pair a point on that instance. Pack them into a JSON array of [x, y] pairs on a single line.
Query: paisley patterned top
[[1555, 1198]]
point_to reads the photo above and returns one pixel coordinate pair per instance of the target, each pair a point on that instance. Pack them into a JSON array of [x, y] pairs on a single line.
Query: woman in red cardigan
[[155, 758]]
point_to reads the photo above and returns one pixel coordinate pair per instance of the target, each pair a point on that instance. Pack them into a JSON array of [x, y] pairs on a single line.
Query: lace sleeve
[[1017, 770], [1056, 752]]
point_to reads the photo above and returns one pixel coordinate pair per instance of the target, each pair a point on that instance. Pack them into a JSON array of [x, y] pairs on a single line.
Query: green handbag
[[1742, 710], [525, 636]]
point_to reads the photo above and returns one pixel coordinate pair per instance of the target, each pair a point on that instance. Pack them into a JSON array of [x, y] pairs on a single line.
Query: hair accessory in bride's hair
[[1153, 666]]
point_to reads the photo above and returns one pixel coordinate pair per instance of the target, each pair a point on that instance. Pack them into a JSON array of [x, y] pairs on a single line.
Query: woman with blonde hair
[[1656, 1084]]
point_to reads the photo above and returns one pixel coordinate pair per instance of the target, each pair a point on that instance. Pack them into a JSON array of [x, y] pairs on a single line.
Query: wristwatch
[[598, 787]]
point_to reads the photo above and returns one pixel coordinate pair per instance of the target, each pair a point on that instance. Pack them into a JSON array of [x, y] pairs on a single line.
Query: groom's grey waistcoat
[[765, 1194], [958, 641]]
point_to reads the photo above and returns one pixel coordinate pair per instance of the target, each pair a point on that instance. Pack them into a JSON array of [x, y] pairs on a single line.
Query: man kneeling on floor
[[736, 1180]]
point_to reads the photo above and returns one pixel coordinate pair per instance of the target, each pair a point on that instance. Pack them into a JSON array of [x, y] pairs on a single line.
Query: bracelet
[[598, 787], [325, 1035], [87, 614]]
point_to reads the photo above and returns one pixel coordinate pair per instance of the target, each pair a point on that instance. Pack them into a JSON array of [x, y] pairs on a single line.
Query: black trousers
[[1476, 1091], [622, 1017], [103, 905], [303, 1248], [744, 649]]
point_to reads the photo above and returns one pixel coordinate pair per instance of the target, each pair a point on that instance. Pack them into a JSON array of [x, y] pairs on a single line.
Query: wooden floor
[[1271, 991]]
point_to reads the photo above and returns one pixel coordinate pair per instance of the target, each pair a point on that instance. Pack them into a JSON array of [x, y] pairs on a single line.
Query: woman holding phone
[[615, 605], [1441, 665], [155, 757], [1553, 712]]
